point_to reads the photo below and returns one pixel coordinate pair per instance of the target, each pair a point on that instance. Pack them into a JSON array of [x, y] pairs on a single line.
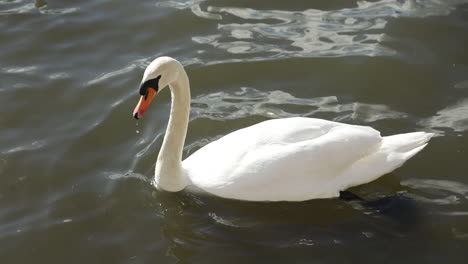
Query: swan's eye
[[153, 83]]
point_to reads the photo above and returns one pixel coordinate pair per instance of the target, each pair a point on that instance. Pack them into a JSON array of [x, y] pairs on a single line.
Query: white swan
[[291, 159]]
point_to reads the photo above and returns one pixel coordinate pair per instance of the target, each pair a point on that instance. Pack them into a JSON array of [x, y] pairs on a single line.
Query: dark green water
[[75, 167]]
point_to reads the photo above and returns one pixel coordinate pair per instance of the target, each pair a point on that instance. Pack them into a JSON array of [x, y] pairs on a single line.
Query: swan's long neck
[[169, 174]]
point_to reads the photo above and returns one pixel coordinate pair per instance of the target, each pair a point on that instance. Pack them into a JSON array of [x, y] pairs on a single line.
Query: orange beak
[[144, 103]]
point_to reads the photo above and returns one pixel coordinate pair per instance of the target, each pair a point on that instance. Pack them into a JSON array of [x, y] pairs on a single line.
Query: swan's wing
[[284, 159]]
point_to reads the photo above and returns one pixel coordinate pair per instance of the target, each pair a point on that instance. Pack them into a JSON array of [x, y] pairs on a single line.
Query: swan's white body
[[292, 159]]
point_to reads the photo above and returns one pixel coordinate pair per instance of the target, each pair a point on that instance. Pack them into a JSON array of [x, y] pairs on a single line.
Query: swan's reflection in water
[[203, 227]]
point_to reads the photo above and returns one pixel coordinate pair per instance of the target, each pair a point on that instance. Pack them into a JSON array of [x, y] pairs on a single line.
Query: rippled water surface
[[75, 167]]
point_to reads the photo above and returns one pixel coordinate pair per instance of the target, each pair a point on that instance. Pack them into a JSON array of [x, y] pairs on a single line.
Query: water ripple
[[26, 147], [308, 33], [21, 7], [279, 104], [454, 116], [194, 6], [19, 70], [437, 186], [141, 63], [118, 176]]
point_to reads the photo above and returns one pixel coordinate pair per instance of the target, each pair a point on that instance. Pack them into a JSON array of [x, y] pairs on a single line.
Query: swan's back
[[296, 159]]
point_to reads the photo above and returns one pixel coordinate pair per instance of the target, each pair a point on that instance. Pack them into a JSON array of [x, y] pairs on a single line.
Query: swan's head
[[159, 74]]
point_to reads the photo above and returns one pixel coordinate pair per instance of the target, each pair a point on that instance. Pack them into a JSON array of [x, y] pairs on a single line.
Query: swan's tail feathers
[[406, 145], [393, 153]]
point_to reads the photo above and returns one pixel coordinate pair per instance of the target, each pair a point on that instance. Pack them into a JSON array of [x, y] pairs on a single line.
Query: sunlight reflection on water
[[308, 33], [250, 101], [453, 116], [274, 104], [22, 6]]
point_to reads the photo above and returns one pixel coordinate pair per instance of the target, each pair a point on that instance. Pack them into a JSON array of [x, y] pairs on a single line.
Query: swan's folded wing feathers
[[287, 165]]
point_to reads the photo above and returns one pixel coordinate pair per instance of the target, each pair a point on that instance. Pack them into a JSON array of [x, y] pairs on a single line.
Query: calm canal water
[[75, 167]]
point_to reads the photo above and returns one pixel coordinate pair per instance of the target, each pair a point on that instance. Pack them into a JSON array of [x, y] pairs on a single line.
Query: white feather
[[295, 159]]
